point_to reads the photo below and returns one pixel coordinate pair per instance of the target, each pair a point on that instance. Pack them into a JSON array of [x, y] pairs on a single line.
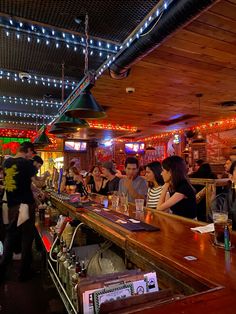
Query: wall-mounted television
[[134, 148], [75, 146]]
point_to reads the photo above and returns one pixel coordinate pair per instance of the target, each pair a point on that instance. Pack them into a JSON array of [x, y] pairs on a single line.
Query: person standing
[[19, 174], [133, 185]]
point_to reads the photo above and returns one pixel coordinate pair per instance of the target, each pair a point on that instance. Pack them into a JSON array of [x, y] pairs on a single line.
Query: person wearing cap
[[19, 174], [109, 171]]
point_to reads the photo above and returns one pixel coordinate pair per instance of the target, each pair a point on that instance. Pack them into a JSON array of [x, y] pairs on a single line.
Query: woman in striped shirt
[[155, 182]]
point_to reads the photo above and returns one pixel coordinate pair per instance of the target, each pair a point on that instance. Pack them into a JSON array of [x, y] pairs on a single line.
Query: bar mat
[[123, 220]]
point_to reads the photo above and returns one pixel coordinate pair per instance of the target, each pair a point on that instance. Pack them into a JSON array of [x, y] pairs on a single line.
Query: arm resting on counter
[[165, 203]]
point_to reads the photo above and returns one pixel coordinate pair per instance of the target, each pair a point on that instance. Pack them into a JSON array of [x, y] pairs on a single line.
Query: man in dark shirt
[[19, 173], [109, 171]]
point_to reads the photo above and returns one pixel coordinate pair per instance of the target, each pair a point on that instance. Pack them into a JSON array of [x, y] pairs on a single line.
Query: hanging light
[[85, 106], [186, 151], [42, 139], [150, 148], [198, 138], [58, 130], [64, 121]]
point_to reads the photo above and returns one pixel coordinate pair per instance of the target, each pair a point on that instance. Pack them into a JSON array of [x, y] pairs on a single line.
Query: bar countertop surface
[[175, 240]]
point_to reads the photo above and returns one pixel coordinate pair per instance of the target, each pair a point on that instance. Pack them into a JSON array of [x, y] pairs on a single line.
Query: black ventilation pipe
[[178, 14]]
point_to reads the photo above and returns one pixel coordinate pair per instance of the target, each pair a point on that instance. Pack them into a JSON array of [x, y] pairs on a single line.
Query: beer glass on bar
[[220, 219]]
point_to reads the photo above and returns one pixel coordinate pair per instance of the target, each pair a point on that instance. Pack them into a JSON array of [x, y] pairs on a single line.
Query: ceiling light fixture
[[85, 106], [57, 130], [64, 122], [198, 138], [42, 139]]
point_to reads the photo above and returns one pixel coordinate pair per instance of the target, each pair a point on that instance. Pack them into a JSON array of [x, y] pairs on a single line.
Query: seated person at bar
[[227, 166], [182, 201], [155, 183], [204, 172], [230, 199], [95, 182], [197, 165], [133, 185], [109, 172], [77, 181]]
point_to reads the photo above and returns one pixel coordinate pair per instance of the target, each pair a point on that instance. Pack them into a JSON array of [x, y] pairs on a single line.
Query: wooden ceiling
[[200, 58]]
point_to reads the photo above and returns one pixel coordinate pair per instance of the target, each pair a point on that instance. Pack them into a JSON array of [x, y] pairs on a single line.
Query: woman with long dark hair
[[97, 183], [182, 199], [155, 183]]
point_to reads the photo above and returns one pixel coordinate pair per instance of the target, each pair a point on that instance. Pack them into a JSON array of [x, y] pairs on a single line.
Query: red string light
[[209, 127]]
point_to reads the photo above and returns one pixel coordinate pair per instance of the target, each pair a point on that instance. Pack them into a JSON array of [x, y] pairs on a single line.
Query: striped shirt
[[153, 196]]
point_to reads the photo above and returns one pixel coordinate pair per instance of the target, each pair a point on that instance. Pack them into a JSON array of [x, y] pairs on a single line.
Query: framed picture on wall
[[195, 154]]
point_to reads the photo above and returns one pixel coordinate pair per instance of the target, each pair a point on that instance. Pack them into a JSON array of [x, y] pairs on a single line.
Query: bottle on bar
[[71, 272], [74, 281], [61, 261], [83, 272], [56, 249], [60, 254], [65, 266]]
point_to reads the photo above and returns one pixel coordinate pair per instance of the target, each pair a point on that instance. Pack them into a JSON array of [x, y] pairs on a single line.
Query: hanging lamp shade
[[42, 139], [186, 151], [85, 107], [150, 148], [199, 138], [59, 130], [64, 121]]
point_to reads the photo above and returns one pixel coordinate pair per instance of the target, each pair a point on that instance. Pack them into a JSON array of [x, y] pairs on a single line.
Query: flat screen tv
[[75, 146], [134, 148]]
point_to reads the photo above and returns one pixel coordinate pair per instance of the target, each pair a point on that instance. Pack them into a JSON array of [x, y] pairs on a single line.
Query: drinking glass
[[124, 201], [72, 189], [220, 219], [139, 203], [115, 201]]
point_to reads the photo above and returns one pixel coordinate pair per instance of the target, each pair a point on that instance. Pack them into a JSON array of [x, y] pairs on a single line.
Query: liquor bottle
[[74, 282], [47, 217], [71, 272], [56, 249], [60, 254], [61, 261], [83, 272], [65, 266], [233, 187]]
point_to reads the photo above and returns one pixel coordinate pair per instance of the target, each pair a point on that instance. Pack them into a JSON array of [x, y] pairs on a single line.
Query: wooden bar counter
[[206, 285]]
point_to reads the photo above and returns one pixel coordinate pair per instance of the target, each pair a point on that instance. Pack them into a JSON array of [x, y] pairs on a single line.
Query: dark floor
[[36, 296]]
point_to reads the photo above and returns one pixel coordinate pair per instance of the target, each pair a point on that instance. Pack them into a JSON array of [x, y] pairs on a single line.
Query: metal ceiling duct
[[178, 14]]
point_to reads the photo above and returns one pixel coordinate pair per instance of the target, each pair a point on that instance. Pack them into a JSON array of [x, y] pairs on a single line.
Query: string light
[[35, 31], [6, 132], [111, 126], [32, 102], [35, 78], [25, 114], [209, 127]]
